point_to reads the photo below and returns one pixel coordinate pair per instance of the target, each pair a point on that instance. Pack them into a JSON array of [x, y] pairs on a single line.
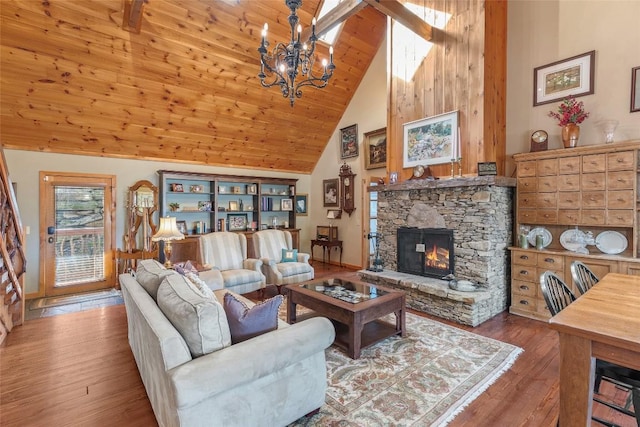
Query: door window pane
[[79, 234]]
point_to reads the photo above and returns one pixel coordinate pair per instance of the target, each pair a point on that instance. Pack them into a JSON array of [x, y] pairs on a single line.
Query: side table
[[327, 244]]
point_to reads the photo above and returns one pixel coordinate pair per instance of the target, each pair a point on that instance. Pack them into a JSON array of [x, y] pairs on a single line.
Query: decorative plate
[[573, 239], [546, 236], [611, 242]]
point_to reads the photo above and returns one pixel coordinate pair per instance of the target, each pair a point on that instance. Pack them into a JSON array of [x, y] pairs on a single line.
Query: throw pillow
[[245, 322], [150, 273], [289, 255], [201, 320]]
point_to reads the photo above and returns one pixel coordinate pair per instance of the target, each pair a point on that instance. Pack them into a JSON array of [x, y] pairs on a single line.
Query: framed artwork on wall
[[431, 141], [572, 76], [330, 192], [635, 89], [302, 201], [375, 149], [349, 142]]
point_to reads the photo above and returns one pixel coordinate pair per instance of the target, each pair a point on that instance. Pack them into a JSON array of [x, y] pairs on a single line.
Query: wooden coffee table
[[355, 308]]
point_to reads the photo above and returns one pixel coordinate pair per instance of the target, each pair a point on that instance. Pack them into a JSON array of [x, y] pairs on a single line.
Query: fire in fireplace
[[425, 251]]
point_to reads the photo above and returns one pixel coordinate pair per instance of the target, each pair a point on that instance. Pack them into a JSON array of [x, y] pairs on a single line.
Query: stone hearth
[[479, 211]]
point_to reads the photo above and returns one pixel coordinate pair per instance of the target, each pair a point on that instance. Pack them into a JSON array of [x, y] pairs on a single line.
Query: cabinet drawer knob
[[549, 260], [524, 256], [619, 160], [524, 287], [620, 180], [524, 302], [524, 272]]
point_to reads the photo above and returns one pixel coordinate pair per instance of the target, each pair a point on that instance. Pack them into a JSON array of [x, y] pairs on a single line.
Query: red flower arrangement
[[569, 111]]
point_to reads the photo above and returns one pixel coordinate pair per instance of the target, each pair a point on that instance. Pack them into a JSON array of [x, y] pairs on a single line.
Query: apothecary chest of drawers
[[593, 188]]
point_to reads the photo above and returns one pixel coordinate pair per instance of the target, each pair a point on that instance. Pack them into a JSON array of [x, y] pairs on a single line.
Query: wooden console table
[[327, 244]]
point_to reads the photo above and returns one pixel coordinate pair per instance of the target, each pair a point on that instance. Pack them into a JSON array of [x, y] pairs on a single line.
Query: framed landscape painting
[[430, 141], [572, 76], [375, 149]]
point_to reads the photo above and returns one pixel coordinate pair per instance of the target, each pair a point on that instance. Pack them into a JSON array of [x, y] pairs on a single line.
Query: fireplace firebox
[[425, 251]]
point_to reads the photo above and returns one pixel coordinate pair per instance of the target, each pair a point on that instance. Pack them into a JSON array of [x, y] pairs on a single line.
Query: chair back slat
[[556, 294], [583, 277]]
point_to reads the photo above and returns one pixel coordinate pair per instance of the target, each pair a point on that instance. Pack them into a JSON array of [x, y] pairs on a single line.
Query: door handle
[[50, 239]]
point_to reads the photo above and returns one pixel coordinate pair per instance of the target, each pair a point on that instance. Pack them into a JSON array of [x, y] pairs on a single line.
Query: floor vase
[[570, 135]]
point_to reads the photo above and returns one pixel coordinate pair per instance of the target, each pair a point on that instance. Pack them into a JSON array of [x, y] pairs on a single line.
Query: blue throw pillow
[[289, 255]]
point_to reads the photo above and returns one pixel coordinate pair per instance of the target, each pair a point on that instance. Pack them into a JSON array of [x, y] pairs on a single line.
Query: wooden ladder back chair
[[583, 277], [556, 293]]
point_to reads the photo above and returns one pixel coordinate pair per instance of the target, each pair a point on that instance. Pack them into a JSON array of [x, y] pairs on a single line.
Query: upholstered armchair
[[226, 254], [276, 266]]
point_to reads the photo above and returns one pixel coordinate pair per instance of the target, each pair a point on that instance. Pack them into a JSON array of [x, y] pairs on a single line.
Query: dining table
[[603, 323]]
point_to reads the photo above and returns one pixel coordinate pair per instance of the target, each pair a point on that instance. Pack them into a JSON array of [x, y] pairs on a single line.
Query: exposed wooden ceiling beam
[[335, 16], [132, 19], [397, 11]]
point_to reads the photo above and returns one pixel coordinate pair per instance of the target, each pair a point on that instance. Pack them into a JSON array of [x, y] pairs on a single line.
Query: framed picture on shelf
[[237, 222], [572, 76], [375, 149], [233, 206], [430, 141], [301, 204], [182, 227], [196, 188], [204, 205], [177, 187], [287, 204], [330, 192], [252, 189], [349, 142]]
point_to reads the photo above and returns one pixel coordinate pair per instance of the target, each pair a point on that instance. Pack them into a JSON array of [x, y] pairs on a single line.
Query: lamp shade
[[168, 230], [332, 214]]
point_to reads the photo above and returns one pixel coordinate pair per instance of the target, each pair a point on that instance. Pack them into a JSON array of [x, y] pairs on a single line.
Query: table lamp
[[332, 214], [167, 232]]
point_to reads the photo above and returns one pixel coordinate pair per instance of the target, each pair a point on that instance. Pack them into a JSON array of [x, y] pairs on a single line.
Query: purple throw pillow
[[245, 322]]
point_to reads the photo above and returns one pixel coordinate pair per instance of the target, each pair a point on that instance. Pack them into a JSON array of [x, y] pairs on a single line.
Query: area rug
[[423, 379]]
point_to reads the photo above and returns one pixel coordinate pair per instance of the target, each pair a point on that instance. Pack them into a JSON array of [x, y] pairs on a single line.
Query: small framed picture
[[393, 177], [252, 189], [572, 76], [330, 191], [349, 142], [204, 205], [236, 190], [233, 206], [177, 187], [237, 222], [287, 204], [196, 188], [487, 168], [375, 149], [301, 204], [182, 226]]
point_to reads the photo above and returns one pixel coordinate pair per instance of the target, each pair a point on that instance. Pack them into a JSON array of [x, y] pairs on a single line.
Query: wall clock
[[347, 183]]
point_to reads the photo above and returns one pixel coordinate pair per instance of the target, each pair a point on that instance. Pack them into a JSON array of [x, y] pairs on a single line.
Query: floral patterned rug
[[424, 379]]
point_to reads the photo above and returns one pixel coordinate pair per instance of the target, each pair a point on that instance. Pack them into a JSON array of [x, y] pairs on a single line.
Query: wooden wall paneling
[[472, 150], [462, 83], [186, 84]]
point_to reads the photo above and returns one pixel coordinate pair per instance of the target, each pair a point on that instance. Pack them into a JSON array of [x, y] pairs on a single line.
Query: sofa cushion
[[245, 322], [150, 273], [201, 320], [289, 255]]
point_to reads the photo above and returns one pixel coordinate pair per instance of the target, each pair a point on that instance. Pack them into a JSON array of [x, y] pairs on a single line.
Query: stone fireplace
[[478, 211]]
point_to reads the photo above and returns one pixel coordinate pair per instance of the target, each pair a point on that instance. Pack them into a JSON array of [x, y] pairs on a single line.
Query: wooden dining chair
[[558, 296], [583, 277]]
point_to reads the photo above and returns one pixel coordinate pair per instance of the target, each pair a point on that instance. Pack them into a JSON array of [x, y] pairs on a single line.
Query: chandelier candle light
[[286, 61]]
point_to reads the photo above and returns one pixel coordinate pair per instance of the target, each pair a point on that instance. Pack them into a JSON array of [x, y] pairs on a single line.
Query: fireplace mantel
[[464, 181]]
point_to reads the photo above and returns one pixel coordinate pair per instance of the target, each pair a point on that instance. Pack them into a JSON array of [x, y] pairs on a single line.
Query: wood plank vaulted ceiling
[[183, 89]]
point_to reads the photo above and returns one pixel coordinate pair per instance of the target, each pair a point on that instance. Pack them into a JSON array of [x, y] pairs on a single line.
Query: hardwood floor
[[77, 369]]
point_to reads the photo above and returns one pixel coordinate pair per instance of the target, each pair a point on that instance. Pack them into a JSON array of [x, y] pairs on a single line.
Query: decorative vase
[[570, 135]]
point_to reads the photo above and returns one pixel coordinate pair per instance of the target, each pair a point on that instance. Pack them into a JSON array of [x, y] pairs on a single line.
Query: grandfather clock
[[347, 185]]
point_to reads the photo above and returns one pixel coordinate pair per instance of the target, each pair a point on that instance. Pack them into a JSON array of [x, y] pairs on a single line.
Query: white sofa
[[269, 380]]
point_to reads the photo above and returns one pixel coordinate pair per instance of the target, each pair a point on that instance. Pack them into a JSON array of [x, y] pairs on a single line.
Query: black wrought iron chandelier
[[287, 62]]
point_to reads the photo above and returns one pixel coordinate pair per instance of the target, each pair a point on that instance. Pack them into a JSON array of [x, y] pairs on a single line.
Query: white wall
[[542, 32], [24, 168], [367, 109]]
